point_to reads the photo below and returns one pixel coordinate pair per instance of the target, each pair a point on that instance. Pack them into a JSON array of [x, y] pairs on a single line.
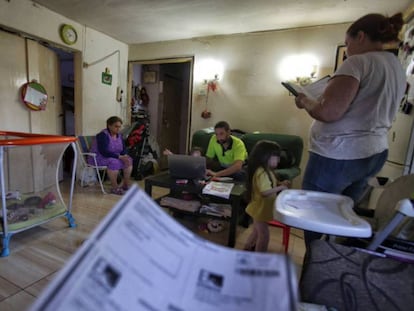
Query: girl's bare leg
[[251, 240], [262, 236]]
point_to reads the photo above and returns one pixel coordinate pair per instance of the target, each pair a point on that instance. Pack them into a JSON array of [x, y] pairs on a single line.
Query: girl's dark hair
[[113, 120], [378, 27], [259, 157]]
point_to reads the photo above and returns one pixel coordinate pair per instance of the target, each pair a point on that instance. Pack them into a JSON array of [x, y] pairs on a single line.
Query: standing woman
[[348, 138], [111, 152]]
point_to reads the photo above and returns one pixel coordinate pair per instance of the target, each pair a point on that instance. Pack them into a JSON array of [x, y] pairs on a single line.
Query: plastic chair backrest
[[401, 188], [87, 172], [85, 142]]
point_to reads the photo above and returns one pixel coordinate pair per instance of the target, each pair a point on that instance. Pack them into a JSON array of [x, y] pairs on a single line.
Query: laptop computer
[[186, 166]]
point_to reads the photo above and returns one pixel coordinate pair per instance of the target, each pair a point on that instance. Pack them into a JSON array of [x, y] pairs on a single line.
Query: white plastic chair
[[84, 143], [394, 214]]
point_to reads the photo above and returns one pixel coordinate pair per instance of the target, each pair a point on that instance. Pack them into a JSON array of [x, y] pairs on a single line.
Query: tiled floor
[[36, 255]]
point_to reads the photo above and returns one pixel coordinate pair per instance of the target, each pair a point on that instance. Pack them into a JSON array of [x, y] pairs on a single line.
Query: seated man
[[229, 150]]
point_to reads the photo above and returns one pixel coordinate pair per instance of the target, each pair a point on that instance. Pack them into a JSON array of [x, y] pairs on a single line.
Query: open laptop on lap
[[187, 167]]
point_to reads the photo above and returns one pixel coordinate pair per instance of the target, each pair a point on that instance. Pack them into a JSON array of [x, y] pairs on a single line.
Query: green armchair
[[292, 146]]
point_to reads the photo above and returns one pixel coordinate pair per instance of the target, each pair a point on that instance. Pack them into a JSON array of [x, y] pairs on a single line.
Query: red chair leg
[[286, 235], [286, 232]]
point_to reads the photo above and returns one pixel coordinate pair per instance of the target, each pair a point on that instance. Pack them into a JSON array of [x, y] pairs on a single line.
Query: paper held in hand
[[313, 90], [140, 258]]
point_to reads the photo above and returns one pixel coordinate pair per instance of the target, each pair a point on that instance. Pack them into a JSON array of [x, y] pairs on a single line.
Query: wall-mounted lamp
[[207, 73], [209, 85], [208, 69], [301, 69], [306, 79]]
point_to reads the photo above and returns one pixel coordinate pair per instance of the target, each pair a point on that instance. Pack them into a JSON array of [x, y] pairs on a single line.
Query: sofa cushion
[[201, 139], [287, 159], [292, 147], [292, 143]]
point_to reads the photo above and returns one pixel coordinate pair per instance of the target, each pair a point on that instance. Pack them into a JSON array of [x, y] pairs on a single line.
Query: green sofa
[[292, 146]]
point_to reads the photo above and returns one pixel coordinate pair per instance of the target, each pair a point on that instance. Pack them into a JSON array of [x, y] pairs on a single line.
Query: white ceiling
[[140, 21]]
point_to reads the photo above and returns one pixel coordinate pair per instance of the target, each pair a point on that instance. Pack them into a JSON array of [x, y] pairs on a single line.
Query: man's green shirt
[[235, 151]]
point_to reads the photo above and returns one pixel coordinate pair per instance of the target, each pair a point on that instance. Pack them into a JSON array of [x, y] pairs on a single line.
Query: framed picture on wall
[[340, 56], [149, 76], [106, 78]]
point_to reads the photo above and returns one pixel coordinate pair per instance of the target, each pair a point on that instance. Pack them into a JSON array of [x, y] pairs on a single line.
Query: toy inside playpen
[[30, 176]]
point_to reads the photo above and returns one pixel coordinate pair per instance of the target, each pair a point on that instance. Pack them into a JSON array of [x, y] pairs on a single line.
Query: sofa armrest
[[201, 139]]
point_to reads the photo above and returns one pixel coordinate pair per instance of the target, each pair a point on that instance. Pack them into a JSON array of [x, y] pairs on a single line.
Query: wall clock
[[68, 34]]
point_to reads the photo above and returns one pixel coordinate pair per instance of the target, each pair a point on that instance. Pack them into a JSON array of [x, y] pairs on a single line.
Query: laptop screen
[[186, 166]]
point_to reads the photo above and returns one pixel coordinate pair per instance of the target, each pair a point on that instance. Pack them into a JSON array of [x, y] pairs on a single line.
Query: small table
[[164, 180]]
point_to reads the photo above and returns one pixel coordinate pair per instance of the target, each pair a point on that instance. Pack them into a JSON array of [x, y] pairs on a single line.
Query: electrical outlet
[[119, 93], [202, 91]]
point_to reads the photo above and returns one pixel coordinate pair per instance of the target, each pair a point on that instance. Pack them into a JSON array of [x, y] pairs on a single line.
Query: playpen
[[30, 176]]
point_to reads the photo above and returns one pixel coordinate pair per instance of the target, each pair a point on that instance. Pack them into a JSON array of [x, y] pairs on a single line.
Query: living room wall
[[94, 101], [249, 94]]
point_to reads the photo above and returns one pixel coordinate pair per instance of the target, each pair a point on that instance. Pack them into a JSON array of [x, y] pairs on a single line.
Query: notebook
[[186, 166]]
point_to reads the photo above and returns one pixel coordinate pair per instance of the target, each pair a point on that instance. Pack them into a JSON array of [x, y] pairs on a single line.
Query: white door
[[21, 61], [399, 138]]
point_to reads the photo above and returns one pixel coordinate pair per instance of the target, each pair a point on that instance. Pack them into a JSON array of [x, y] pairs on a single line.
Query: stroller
[[137, 142]]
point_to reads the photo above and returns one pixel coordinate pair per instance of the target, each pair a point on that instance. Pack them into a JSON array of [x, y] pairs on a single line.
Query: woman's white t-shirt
[[362, 131]]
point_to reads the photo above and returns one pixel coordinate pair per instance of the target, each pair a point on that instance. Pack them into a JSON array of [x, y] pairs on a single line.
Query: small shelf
[[195, 214], [164, 180]]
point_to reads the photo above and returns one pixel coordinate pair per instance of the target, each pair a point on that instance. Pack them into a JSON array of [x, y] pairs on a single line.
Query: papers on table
[[218, 189], [184, 205], [139, 258], [216, 209], [224, 178]]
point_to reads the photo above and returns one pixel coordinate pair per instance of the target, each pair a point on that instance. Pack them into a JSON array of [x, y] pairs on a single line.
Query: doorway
[[68, 92], [167, 85], [67, 84], [67, 100]]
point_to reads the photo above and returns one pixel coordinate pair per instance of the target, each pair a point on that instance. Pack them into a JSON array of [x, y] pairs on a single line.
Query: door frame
[[187, 108]]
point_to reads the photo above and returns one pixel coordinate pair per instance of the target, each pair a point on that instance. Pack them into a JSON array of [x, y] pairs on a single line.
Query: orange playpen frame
[[14, 139]]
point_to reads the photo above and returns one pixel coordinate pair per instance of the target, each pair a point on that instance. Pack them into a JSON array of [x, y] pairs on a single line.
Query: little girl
[[262, 187]]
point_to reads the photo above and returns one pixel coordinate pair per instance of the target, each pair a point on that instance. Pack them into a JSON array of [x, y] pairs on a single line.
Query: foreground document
[[140, 258]]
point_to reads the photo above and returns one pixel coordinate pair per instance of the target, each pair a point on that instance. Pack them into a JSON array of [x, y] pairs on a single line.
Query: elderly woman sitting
[[111, 152]]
